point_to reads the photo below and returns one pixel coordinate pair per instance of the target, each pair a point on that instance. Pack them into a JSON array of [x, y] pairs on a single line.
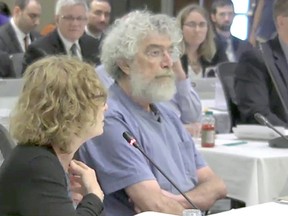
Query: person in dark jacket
[[62, 105]]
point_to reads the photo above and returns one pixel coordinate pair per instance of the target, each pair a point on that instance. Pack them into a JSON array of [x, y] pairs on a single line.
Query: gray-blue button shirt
[[119, 165]]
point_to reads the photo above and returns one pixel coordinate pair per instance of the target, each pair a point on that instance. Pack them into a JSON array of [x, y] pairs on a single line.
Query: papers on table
[[150, 213], [266, 209], [256, 132]]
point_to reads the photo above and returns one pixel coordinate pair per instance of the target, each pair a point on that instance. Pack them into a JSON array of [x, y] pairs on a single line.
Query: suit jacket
[[9, 41], [239, 46], [33, 182], [52, 44], [254, 88], [6, 66]]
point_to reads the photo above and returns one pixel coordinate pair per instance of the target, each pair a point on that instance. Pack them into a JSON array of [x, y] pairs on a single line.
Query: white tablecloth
[[266, 209], [253, 172], [150, 213]]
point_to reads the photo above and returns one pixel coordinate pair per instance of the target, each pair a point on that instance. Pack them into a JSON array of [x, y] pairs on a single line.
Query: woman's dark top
[[33, 183], [220, 56]]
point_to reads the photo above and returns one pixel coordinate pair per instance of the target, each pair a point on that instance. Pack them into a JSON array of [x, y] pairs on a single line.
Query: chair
[[226, 71], [6, 142]]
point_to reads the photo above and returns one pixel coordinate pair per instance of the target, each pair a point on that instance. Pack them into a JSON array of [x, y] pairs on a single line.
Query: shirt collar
[[117, 92], [88, 32], [284, 47], [67, 43], [17, 29], [19, 34]]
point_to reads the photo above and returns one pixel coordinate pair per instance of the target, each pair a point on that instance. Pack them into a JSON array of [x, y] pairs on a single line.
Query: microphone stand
[[279, 142], [133, 142]]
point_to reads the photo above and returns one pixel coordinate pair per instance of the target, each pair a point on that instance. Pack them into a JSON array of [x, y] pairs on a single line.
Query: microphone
[[279, 142], [132, 141]]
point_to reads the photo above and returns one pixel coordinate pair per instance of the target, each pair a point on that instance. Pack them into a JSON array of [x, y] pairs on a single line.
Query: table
[[266, 209], [253, 172], [151, 213]]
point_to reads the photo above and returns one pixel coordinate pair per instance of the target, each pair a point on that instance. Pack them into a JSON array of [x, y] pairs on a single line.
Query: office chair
[[226, 71], [6, 142]]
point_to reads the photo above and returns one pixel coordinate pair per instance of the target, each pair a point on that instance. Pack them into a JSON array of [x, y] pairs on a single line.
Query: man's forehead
[[156, 39], [79, 8], [224, 8], [32, 5], [103, 5]]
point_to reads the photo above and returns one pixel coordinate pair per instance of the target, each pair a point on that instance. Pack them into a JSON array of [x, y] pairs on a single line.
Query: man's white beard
[[153, 91]]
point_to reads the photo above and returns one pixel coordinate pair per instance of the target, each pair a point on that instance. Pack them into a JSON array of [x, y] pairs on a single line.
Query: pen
[[235, 143]]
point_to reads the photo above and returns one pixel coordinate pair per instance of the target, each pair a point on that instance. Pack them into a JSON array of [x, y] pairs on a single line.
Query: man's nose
[[167, 60], [102, 17], [37, 21]]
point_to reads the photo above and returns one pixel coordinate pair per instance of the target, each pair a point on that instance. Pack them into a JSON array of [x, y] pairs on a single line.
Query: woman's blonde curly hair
[[61, 97]]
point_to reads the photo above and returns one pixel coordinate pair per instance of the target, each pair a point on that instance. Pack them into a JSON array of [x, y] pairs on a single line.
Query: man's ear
[[280, 20], [213, 17], [124, 66], [16, 11]]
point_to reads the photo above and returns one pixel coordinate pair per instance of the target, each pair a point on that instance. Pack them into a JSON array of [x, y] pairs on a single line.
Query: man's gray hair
[[62, 3], [123, 38]]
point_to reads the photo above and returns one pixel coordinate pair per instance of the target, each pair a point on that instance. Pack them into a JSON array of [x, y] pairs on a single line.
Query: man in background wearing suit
[[98, 18], [256, 89], [16, 35], [68, 38], [6, 66], [222, 15]]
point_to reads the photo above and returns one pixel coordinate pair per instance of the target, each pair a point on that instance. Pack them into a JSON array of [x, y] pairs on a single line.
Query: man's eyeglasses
[[194, 24], [71, 18], [159, 53]]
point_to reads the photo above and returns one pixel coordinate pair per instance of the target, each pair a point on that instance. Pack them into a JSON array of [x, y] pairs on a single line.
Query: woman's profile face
[[195, 28], [96, 129]]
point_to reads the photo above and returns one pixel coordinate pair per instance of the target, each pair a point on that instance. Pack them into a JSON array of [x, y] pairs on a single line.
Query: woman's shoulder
[[27, 155]]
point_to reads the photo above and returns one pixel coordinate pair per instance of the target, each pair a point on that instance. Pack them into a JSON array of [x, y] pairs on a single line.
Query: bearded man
[[222, 16], [139, 53]]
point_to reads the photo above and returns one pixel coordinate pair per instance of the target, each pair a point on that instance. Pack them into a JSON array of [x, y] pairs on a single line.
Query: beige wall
[[119, 8]]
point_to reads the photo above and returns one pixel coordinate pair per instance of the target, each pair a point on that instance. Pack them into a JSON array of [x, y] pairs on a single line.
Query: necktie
[[73, 50], [26, 42], [230, 52]]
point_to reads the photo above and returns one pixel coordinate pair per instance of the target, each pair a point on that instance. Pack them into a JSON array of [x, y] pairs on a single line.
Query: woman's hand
[[83, 181]]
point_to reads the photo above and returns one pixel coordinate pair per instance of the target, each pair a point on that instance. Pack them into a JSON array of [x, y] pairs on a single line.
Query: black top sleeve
[[44, 192]]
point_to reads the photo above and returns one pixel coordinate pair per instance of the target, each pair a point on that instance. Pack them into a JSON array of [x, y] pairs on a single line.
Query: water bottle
[[208, 130]]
